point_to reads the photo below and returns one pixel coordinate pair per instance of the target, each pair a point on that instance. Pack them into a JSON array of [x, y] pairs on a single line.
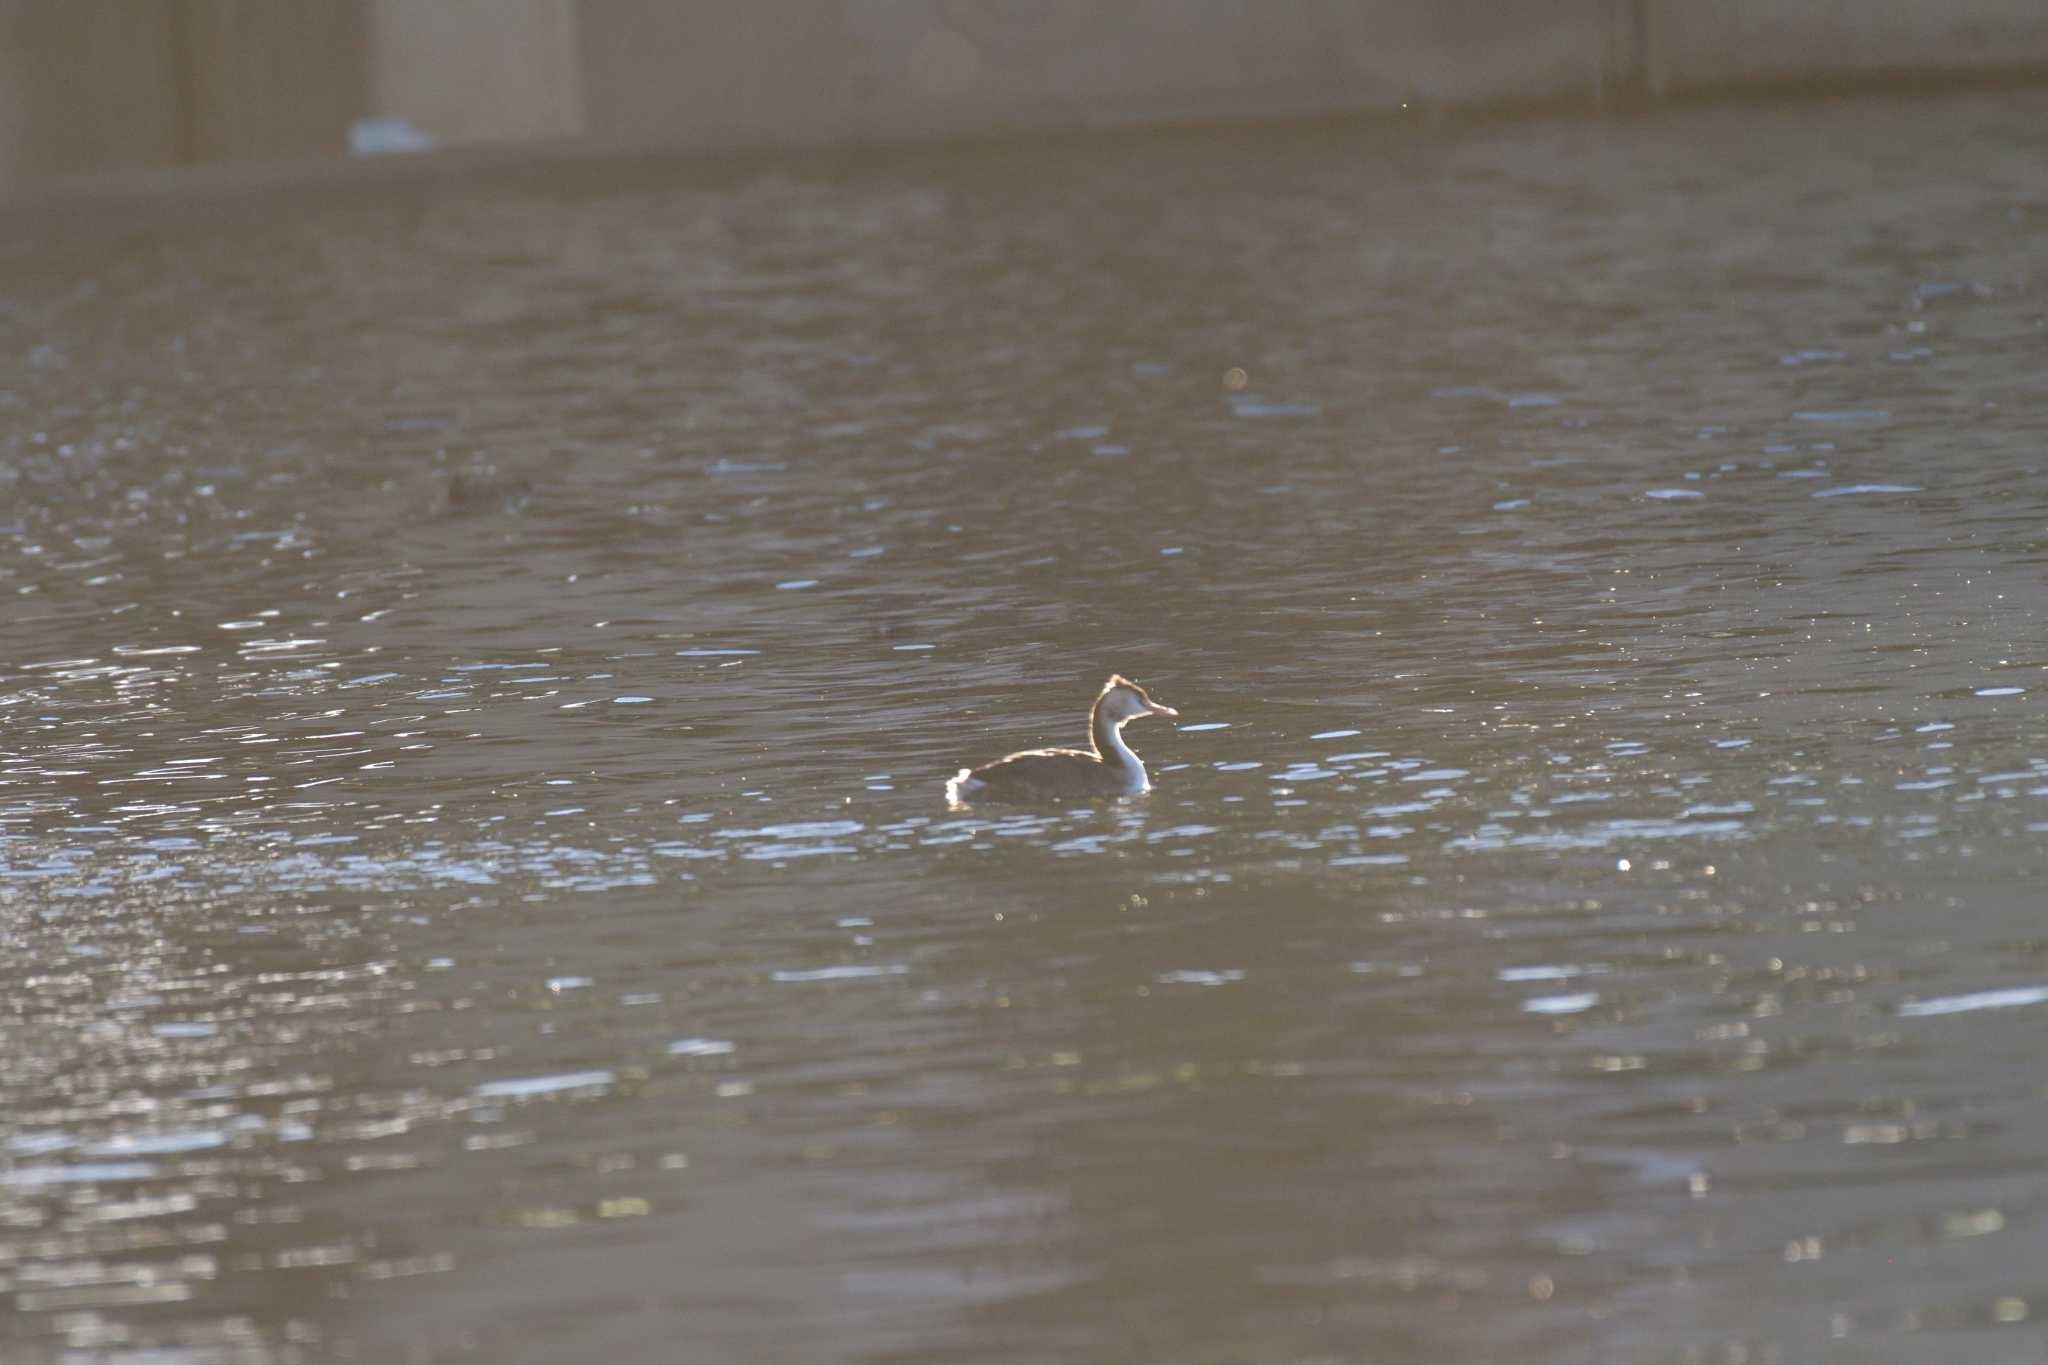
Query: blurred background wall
[[91, 86]]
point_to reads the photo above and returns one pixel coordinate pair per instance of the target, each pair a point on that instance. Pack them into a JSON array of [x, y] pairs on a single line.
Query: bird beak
[[1158, 710]]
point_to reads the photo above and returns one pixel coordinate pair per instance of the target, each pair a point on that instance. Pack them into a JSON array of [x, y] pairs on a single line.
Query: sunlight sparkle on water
[[527, 1086], [1980, 1000]]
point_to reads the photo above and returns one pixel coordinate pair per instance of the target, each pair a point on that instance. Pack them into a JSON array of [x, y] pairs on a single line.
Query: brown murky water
[[479, 664]]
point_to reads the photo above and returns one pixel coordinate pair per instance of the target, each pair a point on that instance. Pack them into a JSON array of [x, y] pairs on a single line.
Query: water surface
[[480, 665]]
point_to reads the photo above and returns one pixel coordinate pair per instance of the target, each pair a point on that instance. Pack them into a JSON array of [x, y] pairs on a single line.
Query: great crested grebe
[[1106, 768]]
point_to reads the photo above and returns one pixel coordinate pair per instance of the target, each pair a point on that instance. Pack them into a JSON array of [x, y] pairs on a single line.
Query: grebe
[[1106, 768]]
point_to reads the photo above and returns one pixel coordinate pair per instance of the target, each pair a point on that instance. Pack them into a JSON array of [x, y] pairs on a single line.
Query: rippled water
[[481, 662]]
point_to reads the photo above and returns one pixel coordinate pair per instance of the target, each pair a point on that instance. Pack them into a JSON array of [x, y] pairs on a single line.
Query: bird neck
[[1108, 739]]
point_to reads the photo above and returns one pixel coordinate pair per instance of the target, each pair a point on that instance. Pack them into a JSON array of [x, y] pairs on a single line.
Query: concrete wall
[[1733, 42], [99, 85], [96, 85], [811, 71], [86, 87], [859, 70], [258, 79], [468, 71]]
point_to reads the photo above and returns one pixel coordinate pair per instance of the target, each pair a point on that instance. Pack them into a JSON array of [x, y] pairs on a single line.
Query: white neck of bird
[[1108, 736]]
